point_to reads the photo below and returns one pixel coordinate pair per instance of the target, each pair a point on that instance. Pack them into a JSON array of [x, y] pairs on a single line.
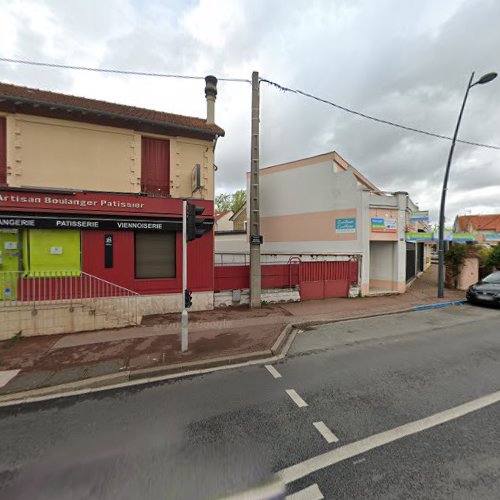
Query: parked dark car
[[486, 291]]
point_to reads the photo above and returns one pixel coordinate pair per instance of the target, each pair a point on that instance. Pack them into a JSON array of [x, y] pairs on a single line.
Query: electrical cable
[[117, 71], [244, 80], [373, 118]]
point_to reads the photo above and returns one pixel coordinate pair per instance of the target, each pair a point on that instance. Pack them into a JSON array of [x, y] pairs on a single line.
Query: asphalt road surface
[[401, 406]]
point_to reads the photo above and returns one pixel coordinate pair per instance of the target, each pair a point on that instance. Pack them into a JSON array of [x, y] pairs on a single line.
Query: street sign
[[256, 240], [420, 216]]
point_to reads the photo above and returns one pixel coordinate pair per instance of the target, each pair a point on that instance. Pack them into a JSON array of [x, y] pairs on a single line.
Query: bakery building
[[95, 188]]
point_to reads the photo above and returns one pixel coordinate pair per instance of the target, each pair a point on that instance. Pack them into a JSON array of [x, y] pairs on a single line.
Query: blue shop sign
[[345, 225]]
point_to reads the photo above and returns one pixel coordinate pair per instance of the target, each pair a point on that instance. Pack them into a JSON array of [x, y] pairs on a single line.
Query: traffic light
[[188, 300], [195, 227]]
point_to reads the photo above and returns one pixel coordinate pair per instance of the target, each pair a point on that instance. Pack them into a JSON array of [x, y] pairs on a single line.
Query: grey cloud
[[406, 62]]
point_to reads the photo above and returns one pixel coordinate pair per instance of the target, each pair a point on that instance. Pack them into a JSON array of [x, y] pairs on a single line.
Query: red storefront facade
[[99, 216], [91, 196]]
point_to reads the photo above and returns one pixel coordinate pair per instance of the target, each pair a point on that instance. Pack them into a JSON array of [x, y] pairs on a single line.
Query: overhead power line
[[117, 71], [374, 118], [246, 80]]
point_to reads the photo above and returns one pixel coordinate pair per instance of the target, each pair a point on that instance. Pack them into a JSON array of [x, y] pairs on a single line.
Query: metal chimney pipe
[[211, 95]]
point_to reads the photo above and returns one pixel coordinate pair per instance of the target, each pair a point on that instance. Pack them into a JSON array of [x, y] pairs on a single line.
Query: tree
[[223, 202], [494, 257], [239, 199], [228, 201], [454, 258]]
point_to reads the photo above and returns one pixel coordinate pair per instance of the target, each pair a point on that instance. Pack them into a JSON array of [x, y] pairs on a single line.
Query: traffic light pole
[[184, 317]]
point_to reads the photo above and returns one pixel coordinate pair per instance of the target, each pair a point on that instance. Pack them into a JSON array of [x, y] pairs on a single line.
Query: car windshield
[[492, 278]]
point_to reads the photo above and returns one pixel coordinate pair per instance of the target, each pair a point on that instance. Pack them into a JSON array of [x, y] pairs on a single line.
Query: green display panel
[[9, 264], [53, 252]]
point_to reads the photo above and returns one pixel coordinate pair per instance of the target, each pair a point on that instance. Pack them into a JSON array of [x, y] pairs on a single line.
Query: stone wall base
[[242, 297], [101, 314]]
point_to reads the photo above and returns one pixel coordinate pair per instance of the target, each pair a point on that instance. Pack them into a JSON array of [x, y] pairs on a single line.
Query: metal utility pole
[[184, 317], [484, 79], [255, 238]]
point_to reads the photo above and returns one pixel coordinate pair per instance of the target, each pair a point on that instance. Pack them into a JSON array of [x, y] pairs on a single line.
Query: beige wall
[[184, 155], [45, 152], [469, 275], [224, 223], [315, 226], [239, 221]]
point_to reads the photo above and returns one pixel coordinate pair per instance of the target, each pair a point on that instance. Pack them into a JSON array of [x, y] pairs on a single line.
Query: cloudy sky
[[407, 62]]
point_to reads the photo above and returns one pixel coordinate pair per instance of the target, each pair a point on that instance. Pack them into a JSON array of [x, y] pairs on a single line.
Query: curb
[[129, 378], [439, 305], [318, 322], [308, 324]]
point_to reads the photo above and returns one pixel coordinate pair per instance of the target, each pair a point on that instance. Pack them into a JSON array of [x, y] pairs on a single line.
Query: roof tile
[[478, 222], [9, 91]]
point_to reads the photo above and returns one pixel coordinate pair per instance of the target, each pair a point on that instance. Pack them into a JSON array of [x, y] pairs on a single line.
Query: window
[[155, 171], [154, 255]]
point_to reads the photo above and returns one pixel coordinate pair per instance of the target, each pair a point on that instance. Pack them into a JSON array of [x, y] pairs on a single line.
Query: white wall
[[231, 243], [310, 188], [382, 255]]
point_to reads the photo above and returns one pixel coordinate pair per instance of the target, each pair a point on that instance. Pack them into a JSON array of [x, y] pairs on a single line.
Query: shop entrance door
[[9, 264]]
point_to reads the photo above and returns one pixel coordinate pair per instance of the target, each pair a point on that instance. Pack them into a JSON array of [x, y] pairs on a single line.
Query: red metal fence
[[316, 280], [273, 276]]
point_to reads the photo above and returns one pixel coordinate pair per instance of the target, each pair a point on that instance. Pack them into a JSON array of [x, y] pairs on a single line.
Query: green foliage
[[484, 254], [17, 337], [223, 202], [484, 267], [493, 260], [230, 201], [239, 198], [454, 259]]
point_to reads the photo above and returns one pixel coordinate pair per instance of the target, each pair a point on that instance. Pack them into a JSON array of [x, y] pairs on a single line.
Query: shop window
[[52, 252], [154, 255]]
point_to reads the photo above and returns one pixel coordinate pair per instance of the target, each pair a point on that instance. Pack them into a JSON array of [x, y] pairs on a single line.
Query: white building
[[322, 207]]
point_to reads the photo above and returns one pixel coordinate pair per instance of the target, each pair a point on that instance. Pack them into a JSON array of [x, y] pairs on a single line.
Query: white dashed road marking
[[275, 373], [326, 432], [310, 493], [332, 457], [6, 376], [296, 398], [275, 489]]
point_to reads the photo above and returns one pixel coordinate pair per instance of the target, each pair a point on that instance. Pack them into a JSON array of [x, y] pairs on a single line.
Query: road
[[390, 407]]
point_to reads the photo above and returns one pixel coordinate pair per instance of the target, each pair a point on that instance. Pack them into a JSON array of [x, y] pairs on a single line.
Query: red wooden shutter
[[3, 151], [155, 172]]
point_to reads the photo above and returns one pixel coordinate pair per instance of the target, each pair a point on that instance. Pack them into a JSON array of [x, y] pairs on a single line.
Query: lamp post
[[484, 79]]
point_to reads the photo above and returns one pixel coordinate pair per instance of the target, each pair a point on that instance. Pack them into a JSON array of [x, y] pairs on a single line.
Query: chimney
[[210, 94]]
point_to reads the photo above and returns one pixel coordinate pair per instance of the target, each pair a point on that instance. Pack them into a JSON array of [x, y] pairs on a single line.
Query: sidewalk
[[216, 337]]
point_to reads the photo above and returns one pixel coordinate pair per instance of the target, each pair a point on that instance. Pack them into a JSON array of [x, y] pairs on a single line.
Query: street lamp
[[484, 79]]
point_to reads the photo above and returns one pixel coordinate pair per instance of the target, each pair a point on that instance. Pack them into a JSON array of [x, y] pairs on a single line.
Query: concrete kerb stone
[[439, 305], [318, 322], [280, 341], [208, 363], [71, 388]]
